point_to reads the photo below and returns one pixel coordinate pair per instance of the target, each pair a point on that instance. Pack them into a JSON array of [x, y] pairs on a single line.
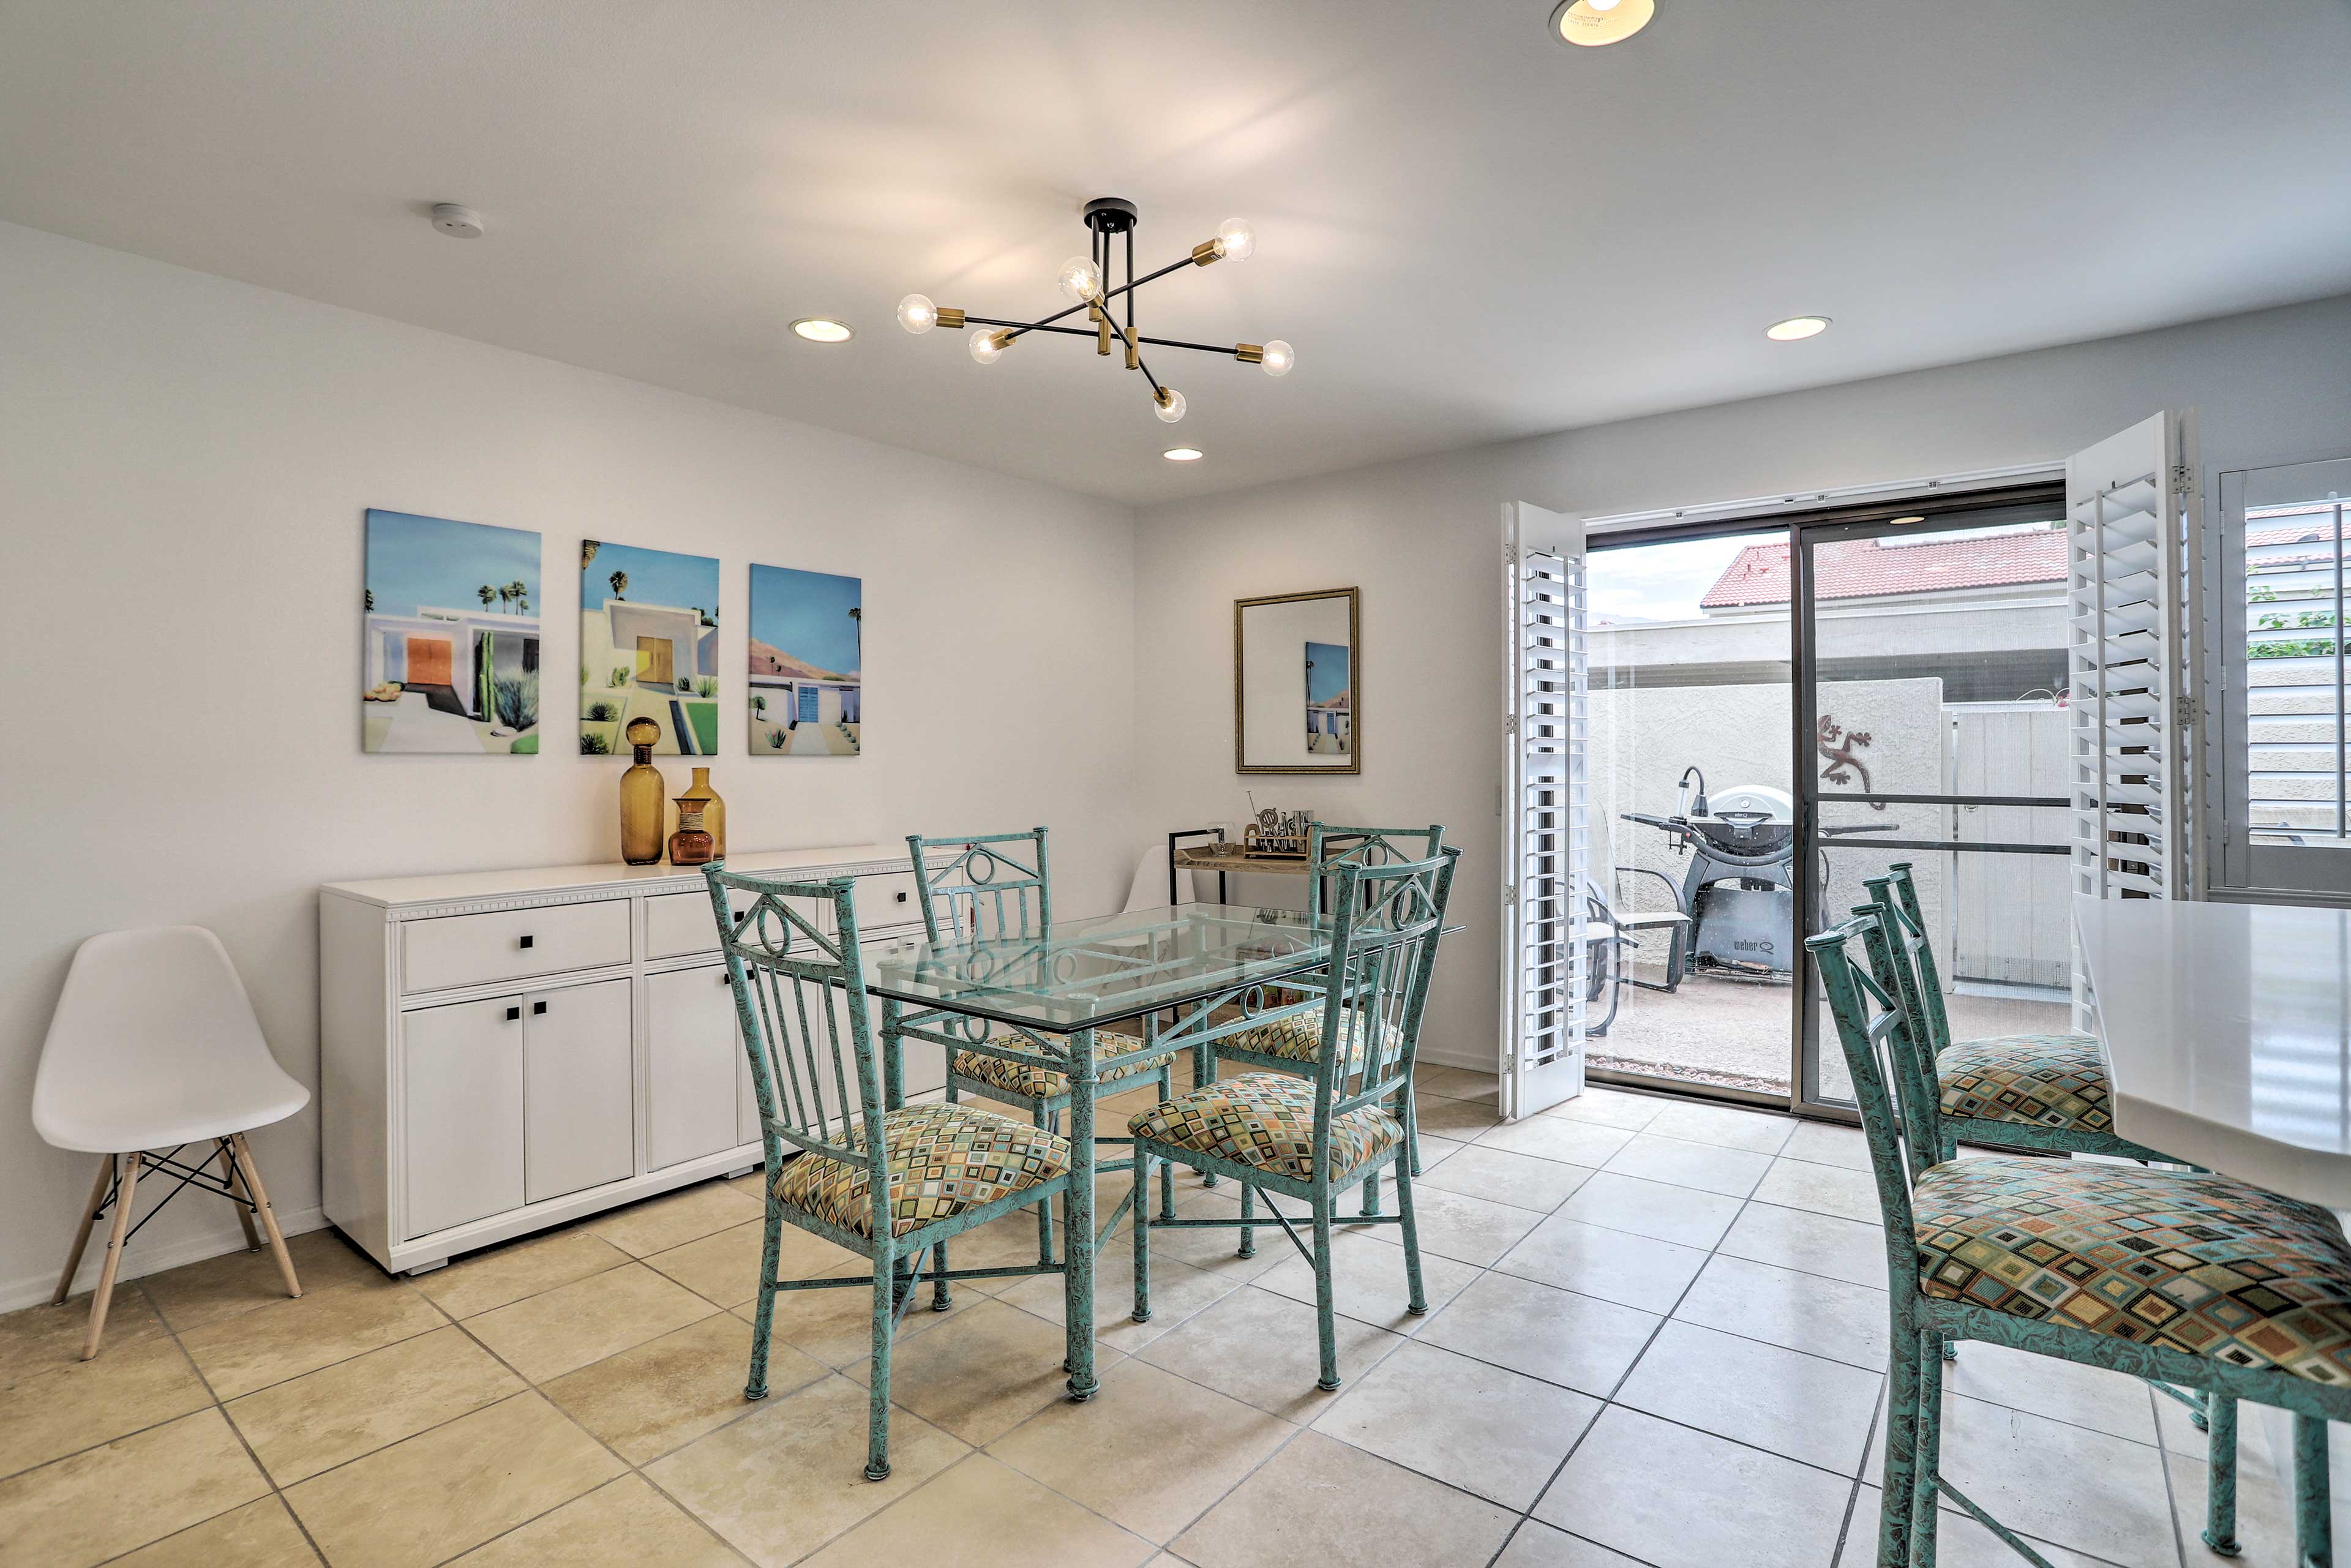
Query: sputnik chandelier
[[1084, 279]]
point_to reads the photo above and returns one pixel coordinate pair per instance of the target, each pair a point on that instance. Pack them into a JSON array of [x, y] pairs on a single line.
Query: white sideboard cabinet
[[502, 1051]]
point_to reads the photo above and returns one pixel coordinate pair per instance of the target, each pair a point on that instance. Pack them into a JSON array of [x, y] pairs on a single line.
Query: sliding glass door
[[1932, 715]]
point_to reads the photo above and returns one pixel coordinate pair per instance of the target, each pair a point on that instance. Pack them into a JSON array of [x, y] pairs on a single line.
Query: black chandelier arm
[[1106, 297], [1225, 350]]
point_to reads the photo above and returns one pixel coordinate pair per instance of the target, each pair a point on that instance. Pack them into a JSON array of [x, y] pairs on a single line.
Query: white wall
[[184, 465], [1422, 539]]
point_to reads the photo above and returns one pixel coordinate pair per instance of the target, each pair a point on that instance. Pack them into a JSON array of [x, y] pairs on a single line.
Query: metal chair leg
[[2314, 1513], [885, 1293], [1926, 1507], [1416, 1303], [1897, 1484], [1142, 1235], [2221, 1488], [1326, 1325], [763, 1321]]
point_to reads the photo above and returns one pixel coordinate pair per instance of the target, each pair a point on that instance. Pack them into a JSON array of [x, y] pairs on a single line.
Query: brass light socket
[[1206, 251], [1161, 397], [1134, 357], [1102, 329], [1249, 353], [949, 317]]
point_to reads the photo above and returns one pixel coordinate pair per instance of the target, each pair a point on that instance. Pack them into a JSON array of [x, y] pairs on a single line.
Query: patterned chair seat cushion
[[2196, 1263], [2040, 1080], [1035, 1082], [1266, 1120], [1299, 1038], [942, 1160]]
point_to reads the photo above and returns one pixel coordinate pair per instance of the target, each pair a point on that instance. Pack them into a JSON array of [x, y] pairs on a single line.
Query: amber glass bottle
[[641, 797], [690, 845], [714, 811]]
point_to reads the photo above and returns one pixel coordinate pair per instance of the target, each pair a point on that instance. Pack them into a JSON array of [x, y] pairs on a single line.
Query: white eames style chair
[[153, 1047]]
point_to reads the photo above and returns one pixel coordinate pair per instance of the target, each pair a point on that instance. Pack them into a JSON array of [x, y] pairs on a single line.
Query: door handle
[[512, 1013], [537, 1008]]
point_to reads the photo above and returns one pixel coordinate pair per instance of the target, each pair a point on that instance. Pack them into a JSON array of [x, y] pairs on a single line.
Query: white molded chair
[[154, 1047]]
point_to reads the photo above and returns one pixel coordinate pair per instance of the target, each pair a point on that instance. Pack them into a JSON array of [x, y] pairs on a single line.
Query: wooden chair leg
[[81, 1235], [243, 1210], [103, 1296], [260, 1194]]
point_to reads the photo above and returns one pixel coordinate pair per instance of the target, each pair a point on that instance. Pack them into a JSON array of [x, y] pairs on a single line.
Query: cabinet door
[[692, 1049], [579, 1089], [461, 1097]]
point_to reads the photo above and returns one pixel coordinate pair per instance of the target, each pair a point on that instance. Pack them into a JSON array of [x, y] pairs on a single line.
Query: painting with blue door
[[808, 650], [1330, 726]]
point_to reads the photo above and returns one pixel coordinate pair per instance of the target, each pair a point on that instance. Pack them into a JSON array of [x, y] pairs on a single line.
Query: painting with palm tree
[[648, 647], [451, 655], [808, 656]]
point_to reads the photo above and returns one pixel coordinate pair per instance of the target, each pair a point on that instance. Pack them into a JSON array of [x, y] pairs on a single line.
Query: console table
[[503, 1051]]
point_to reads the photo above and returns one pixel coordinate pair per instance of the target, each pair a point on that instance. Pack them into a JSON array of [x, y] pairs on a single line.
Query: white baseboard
[[140, 1261], [1460, 1059]]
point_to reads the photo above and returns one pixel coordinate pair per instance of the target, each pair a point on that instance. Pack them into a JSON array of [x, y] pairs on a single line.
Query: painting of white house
[[1329, 724], [648, 647], [807, 652], [450, 660]]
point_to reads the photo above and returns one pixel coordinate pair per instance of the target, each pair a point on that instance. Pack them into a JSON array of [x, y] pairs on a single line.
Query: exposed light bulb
[[1080, 280], [918, 314], [1236, 239], [1170, 406], [988, 347], [1278, 358]]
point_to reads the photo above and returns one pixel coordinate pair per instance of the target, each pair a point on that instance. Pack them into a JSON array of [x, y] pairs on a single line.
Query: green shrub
[[516, 700], [593, 745], [776, 740], [620, 677], [603, 712], [705, 685]]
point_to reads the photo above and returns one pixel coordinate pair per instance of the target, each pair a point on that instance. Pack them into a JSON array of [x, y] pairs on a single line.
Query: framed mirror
[[1297, 686]]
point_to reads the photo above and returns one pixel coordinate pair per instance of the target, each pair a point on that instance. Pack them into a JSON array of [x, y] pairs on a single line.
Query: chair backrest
[[145, 1011], [1330, 846], [1899, 1115], [1897, 893], [983, 886], [1385, 931], [801, 1001]]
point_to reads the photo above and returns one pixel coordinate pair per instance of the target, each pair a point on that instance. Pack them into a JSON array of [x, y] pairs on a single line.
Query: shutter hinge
[[1509, 892], [2182, 478], [1510, 555], [1510, 724]]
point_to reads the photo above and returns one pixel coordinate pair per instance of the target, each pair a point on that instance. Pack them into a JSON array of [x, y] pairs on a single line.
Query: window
[[2284, 737]]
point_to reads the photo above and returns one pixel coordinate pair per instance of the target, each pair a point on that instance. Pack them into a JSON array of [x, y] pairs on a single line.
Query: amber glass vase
[[714, 813], [690, 845], [641, 797]]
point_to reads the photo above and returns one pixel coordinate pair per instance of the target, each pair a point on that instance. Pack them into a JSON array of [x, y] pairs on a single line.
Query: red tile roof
[[1864, 568]]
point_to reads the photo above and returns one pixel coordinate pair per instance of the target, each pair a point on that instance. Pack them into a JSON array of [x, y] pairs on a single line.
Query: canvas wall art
[[807, 652], [648, 648], [451, 660], [1330, 724]]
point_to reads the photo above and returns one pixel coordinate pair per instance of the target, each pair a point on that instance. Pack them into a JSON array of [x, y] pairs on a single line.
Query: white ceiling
[[1469, 232]]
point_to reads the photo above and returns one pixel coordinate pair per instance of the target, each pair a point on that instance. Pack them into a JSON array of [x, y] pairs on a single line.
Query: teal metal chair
[[888, 1181], [2046, 1092], [1309, 1137], [2185, 1278], [1292, 1043], [991, 885]]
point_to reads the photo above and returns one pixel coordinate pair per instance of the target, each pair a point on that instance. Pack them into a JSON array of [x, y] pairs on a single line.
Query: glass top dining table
[[1086, 974]]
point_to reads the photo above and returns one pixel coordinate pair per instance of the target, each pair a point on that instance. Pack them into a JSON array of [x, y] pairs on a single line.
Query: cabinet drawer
[[680, 924], [512, 944], [885, 901]]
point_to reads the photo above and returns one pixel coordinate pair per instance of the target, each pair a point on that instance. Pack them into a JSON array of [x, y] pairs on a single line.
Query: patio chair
[[1609, 939], [888, 1181], [2222, 1287], [1345, 1120], [964, 885]]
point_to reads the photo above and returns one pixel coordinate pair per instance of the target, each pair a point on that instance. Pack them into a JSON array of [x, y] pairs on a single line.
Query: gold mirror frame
[[1354, 763]]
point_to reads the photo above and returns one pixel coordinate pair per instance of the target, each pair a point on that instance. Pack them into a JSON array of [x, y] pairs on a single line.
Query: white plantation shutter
[[1545, 849], [2131, 522]]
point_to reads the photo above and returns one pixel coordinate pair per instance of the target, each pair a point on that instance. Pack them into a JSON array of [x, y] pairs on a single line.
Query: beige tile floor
[[1660, 1339]]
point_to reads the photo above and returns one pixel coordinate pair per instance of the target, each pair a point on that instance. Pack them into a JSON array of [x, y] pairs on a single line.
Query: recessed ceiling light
[[822, 329], [1796, 327], [1591, 23], [1183, 454], [1906, 522]]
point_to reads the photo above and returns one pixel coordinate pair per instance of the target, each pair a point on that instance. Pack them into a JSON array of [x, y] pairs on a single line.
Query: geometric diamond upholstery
[[2041, 1079], [1299, 1038], [1037, 1082], [943, 1159], [2197, 1263], [1267, 1120]]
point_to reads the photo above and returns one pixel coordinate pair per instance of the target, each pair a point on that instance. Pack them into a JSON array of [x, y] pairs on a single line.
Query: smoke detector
[[456, 222]]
